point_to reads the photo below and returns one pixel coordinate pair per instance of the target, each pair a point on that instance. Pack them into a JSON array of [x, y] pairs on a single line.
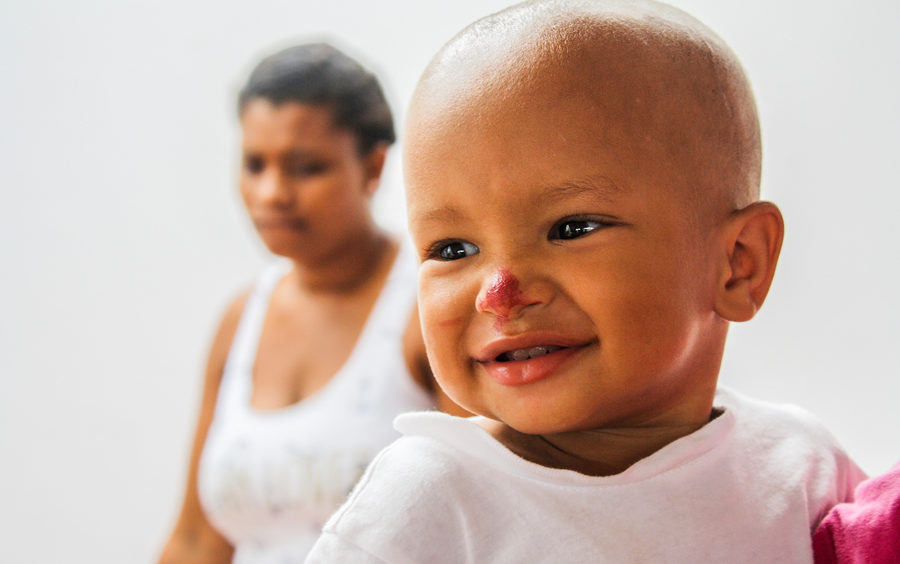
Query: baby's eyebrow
[[593, 186], [596, 187], [439, 215]]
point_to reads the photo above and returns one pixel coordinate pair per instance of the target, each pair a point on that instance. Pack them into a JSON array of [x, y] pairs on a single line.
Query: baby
[[583, 183]]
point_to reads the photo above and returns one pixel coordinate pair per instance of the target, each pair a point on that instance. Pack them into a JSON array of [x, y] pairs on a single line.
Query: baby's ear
[[752, 241]]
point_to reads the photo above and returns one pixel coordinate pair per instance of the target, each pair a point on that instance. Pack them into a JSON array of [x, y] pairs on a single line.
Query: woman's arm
[[420, 369], [194, 540]]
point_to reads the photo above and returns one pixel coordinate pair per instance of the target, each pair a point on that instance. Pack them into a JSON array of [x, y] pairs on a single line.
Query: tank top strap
[[392, 310], [379, 348], [236, 379]]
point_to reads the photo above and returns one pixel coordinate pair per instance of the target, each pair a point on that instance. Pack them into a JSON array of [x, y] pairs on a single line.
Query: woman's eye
[[254, 164], [306, 169], [574, 228], [453, 250]]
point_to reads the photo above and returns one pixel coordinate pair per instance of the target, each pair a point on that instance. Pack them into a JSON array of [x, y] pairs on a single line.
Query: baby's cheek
[[442, 303]]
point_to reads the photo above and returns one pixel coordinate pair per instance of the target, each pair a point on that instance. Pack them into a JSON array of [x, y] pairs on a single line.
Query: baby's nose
[[502, 295]]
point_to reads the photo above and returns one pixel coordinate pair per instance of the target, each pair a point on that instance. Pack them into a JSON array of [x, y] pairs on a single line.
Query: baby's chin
[[525, 419], [531, 423]]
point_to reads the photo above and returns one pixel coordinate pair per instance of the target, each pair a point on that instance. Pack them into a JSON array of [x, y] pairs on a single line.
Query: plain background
[[122, 237]]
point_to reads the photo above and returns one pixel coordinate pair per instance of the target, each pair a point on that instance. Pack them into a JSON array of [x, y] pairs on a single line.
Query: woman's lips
[[280, 223]]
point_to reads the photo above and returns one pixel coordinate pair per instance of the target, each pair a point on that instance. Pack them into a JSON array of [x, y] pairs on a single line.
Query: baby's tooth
[[525, 354], [520, 354]]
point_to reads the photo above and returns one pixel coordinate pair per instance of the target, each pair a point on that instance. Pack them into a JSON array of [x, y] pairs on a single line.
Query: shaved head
[[648, 84]]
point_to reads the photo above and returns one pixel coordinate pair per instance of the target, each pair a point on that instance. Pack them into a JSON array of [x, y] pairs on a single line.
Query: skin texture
[[307, 190], [583, 182]]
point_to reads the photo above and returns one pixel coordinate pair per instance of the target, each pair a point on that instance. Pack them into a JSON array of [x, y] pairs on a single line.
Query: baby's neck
[[595, 452]]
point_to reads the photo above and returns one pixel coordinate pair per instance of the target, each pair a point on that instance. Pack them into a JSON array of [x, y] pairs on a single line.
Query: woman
[[308, 369]]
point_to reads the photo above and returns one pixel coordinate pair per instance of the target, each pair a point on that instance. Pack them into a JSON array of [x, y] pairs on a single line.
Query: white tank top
[[269, 479]]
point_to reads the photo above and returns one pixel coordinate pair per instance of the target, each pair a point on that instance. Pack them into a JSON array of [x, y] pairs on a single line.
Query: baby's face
[[563, 284]]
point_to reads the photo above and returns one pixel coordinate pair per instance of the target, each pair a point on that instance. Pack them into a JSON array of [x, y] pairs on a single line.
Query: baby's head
[[583, 183]]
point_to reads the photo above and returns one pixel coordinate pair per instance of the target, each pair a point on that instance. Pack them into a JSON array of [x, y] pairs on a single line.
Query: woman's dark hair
[[319, 74]]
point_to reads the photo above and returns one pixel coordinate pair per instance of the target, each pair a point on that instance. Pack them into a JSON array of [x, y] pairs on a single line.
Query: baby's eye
[[574, 228], [452, 250]]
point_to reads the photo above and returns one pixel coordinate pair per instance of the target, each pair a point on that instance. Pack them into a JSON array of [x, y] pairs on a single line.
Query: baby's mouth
[[526, 354]]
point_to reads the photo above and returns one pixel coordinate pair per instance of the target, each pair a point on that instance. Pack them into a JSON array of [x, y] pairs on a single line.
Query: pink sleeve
[[866, 530]]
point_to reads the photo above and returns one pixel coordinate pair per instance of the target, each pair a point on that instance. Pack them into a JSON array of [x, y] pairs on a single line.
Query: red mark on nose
[[502, 295]]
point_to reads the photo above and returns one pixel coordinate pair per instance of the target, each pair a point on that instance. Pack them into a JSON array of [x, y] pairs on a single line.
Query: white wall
[[121, 236]]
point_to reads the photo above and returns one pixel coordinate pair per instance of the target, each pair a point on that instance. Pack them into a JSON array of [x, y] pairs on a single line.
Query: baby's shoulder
[[413, 464], [787, 442], [774, 422], [410, 490], [419, 468]]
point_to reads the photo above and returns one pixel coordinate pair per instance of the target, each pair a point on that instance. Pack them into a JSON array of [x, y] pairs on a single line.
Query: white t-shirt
[[269, 479], [747, 487]]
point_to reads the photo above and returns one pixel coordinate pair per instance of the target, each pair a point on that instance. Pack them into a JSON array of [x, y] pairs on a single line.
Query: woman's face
[[305, 185]]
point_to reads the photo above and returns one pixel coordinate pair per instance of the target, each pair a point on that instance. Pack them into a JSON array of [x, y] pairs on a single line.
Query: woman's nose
[[503, 296], [274, 189]]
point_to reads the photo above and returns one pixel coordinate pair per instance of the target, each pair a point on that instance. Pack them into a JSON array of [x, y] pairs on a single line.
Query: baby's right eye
[[452, 250]]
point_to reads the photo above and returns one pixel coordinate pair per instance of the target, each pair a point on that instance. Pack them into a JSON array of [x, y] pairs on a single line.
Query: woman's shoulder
[[248, 296], [224, 335], [230, 319]]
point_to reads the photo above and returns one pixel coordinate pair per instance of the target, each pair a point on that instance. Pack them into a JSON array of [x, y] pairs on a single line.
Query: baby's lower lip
[[521, 372]]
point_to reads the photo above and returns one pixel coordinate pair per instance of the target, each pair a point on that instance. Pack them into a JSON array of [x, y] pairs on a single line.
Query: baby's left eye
[[573, 228]]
